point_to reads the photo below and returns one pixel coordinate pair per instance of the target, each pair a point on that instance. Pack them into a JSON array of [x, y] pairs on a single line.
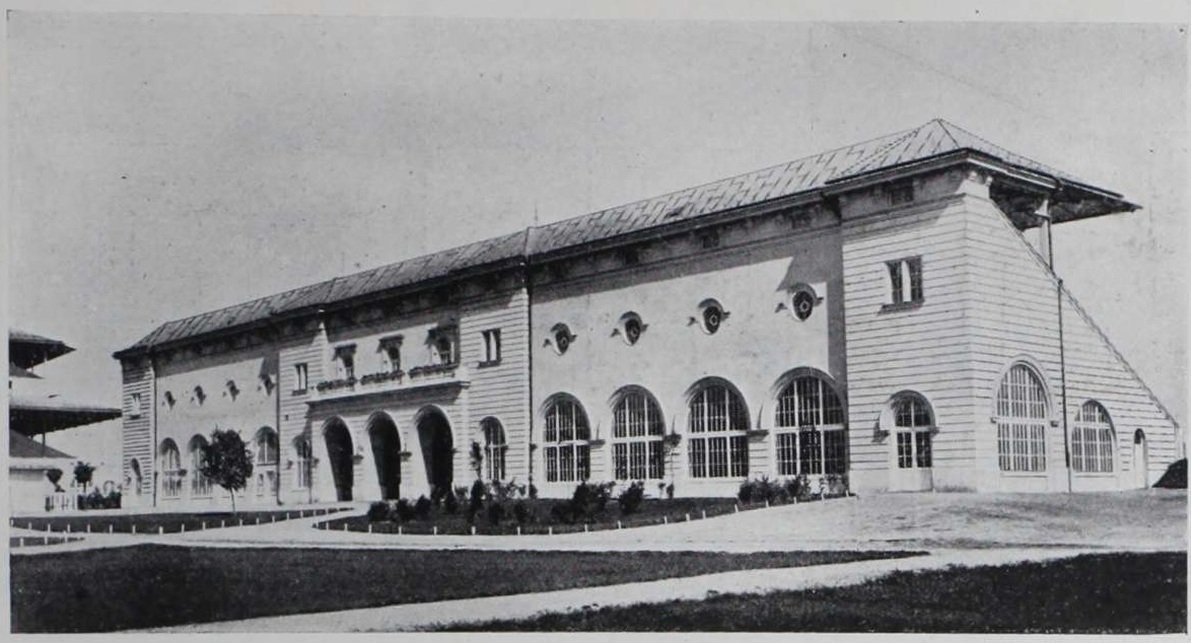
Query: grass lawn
[[158, 522], [1096, 593], [38, 541], [155, 585]]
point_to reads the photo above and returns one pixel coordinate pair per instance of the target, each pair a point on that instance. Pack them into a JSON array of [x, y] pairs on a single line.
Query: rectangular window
[[787, 454], [922, 444], [300, 374], [835, 452], [491, 346], [551, 464], [620, 461], [905, 281], [698, 457], [393, 352], [717, 461], [905, 453], [655, 459], [739, 449], [348, 363], [135, 406], [443, 342], [809, 458]]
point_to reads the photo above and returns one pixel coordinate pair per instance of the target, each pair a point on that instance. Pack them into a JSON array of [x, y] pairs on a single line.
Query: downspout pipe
[[1044, 213]]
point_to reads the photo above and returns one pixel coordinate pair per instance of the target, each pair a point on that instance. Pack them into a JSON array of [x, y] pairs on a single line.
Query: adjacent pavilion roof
[[22, 446], [36, 415], [27, 350], [936, 140]]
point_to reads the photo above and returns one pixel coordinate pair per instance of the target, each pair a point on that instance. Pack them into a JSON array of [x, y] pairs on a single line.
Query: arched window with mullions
[[913, 424], [266, 460], [567, 450], [494, 448], [637, 433], [718, 425], [169, 463], [1093, 440], [200, 485], [809, 428], [1022, 413]]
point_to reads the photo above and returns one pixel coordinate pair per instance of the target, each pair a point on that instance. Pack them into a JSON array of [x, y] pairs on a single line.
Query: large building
[[35, 411], [884, 313]]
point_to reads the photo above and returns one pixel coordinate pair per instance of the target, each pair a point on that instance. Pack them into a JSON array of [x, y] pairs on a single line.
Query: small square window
[[135, 406], [901, 192], [905, 281], [491, 346], [346, 356], [300, 375]]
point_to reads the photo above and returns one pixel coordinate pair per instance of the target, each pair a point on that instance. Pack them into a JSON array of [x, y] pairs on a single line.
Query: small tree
[[227, 462], [82, 474]]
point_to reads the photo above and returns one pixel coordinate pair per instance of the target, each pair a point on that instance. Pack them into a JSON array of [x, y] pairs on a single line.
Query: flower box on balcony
[[432, 369]]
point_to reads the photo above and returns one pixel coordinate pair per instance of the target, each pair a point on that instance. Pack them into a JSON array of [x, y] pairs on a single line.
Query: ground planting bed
[[541, 520], [38, 541], [1097, 593], [157, 523], [157, 585]]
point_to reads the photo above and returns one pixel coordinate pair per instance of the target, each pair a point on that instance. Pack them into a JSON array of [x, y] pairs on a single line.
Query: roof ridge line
[[730, 178], [877, 152]]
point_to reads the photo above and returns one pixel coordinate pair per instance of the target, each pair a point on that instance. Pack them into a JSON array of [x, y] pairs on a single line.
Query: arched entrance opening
[[137, 480], [339, 452], [434, 436], [386, 453], [1141, 460]]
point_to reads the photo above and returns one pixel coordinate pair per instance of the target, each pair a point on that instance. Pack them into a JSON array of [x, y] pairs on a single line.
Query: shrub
[[563, 512], [54, 475], [835, 485], [112, 501], [496, 513], [745, 494], [476, 503], [533, 492], [378, 512], [600, 495], [521, 512], [422, 508], [405, 510], [450, 504], [670, 491], [631, 497], [797, 487]]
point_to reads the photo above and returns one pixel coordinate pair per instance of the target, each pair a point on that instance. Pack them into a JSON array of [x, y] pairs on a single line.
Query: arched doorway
[[339, 452], [434, 435], [386, 452], [1141, 460], [137, 480]]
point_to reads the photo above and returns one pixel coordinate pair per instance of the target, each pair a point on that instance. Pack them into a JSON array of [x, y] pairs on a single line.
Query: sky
[[162, 165]]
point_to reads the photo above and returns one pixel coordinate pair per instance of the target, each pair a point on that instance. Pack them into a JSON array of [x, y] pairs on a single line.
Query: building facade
[[876, 315]]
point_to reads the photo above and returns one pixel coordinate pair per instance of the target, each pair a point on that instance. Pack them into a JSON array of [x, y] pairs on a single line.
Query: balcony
[[392, 382]]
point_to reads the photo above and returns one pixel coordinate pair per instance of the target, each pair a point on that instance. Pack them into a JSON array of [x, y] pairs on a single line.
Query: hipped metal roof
[[936, 139], [27, 350]]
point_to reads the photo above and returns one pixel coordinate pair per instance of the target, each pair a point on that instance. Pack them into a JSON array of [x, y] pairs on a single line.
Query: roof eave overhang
[[1070, 200], [681, 226]]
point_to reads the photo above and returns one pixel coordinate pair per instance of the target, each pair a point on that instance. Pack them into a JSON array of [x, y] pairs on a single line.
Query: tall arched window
[[200, 485], [637, 431], [169, 463], [1093, 440], [809, 431], [265, 466], [494, 448], [718, 426], [567, 453], [302, 462], [1022, 414]]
